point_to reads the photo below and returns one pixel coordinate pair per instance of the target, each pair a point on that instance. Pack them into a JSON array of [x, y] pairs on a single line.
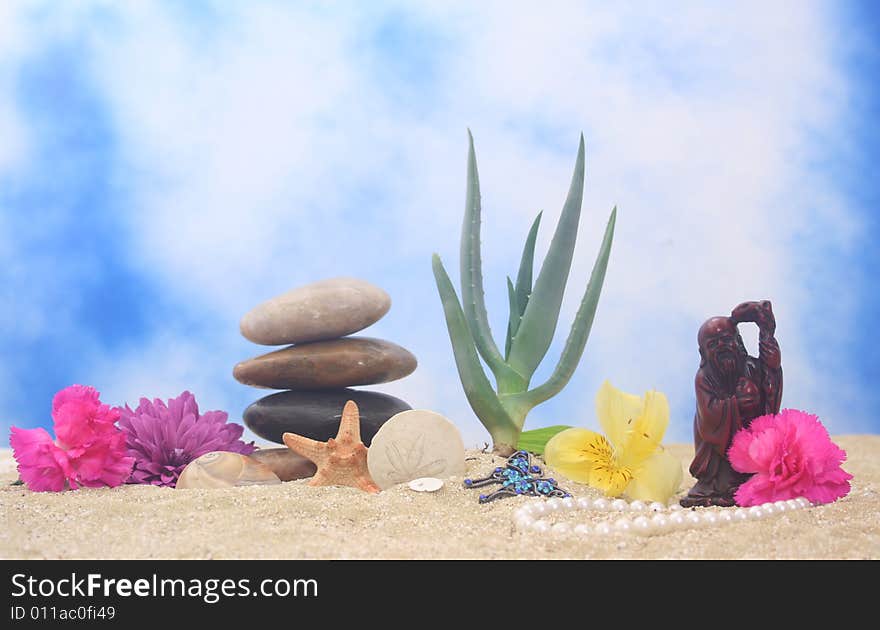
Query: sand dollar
[[413, 444], [221, 469]]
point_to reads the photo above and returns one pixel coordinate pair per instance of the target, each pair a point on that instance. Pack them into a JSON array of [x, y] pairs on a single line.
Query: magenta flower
[[163, 438], [89, 449], [80, 418], [791, 456]]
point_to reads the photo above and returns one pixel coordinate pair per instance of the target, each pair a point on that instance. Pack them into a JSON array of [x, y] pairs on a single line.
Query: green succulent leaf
[[535, 440], [541, 315], [472, 295], [583, 322], [477, 387], [524, 276], [513, 321]]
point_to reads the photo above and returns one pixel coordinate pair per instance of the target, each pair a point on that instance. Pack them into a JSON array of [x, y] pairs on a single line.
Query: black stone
[[315, 414]]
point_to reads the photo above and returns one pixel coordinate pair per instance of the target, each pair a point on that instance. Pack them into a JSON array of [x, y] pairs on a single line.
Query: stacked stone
[[322, 363]]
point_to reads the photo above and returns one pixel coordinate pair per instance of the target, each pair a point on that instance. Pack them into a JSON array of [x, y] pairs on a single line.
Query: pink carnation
[[81, 419], [89, 449], [790, 455], [41, 465]]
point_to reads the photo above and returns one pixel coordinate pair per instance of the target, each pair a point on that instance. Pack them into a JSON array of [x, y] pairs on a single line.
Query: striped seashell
[[221, 469]]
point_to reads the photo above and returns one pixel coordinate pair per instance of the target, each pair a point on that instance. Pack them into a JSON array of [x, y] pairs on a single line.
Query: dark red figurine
[[732, 389]]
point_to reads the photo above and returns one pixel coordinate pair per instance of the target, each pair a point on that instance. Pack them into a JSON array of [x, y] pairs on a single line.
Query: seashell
[[285, 463], [426, 484], [221, 469]]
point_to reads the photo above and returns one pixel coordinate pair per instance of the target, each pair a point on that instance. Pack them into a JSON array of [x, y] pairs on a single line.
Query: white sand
[[294, 520]]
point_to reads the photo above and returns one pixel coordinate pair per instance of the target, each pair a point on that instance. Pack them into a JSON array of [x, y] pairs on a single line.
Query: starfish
[[341, 461]]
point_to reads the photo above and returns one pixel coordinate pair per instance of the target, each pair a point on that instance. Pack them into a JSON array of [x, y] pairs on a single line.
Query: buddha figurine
[[732, 388]]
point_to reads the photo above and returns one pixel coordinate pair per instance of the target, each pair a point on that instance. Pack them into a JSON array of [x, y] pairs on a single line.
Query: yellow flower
[[630, 460]]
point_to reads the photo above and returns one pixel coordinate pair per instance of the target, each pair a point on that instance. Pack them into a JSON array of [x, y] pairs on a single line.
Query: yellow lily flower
[[630, 459]]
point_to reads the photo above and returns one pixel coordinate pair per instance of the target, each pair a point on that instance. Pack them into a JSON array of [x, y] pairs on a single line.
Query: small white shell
[[221, 469], [426, 484]]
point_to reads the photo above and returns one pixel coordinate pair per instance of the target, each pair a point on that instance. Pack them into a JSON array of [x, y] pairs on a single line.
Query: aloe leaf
[[472, 296], [535, 440], [477, 387], [513, 321], [583, 322], [526, 263], [539, 321]]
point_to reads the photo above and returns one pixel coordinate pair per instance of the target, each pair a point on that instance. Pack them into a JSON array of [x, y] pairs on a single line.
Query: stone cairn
[[322, 363]]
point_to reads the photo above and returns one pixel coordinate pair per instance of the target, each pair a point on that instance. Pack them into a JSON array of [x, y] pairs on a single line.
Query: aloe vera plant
[[534, 314]]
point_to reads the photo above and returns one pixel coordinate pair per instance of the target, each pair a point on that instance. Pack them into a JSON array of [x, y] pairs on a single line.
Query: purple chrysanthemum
[[163, 439]]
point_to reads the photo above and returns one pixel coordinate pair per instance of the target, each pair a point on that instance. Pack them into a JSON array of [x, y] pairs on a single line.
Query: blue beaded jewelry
[[519, 476]]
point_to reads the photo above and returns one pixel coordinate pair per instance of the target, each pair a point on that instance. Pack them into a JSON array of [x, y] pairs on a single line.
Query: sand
[[294, 520]]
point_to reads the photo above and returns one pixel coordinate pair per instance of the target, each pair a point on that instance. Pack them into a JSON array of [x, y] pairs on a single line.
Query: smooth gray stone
[[322, 310], [328, 364], [315, 414]]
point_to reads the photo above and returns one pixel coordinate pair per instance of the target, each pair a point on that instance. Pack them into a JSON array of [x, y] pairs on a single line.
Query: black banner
[[168, 593]]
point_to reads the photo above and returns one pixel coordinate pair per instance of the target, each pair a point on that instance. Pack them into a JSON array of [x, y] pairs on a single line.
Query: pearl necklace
[[663, 519]]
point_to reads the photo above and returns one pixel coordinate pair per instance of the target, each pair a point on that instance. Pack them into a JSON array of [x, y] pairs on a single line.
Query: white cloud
[[13, 136], [698, 125], [270, 146]]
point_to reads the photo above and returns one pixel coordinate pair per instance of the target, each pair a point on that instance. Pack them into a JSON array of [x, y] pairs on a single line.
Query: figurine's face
[[719, 346]]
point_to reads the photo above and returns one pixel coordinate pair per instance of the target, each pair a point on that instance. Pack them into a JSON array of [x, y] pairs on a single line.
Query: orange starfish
[[341, 461]]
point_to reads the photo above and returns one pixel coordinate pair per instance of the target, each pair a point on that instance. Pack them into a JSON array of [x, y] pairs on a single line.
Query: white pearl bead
[[657, 517], [523, 522], [560, 528], [676, 520], [660, 522]]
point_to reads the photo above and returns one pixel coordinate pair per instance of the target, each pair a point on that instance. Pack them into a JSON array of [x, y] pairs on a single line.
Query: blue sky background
[[164, 168]]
